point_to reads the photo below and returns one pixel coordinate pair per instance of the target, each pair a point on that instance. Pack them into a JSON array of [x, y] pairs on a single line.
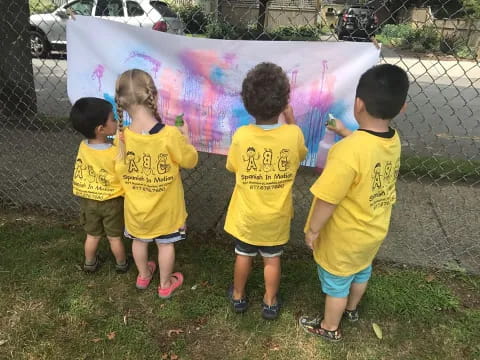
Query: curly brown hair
[[265, 91]]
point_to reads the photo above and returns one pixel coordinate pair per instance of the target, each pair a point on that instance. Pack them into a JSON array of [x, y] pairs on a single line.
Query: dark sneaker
[[240, 305], [271, 312], [312, 325], [123, 268], [91, 268], [351, 315]]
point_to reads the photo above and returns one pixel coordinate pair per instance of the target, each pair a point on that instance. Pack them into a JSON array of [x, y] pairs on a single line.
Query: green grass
[[440, 168], [50, 309]]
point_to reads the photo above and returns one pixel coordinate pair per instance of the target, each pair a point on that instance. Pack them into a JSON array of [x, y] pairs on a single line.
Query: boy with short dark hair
[[353, 198], [265, 158], [95, 182]]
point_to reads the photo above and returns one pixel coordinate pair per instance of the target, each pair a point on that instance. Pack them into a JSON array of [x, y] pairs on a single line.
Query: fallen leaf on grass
[[173, 357], [2, 342], [164, 356], [430, 278], [275, 348], [174, 331], [378, 331], [111, 336], [96, 340], [205, 284]]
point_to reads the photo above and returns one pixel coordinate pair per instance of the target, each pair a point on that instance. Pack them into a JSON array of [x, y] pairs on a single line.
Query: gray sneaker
[[351, 315], [240, 305], [91, 268]]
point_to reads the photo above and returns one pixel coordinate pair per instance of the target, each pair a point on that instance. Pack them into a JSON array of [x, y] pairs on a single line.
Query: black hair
[[87, 113], [383, 89], [265, 91]]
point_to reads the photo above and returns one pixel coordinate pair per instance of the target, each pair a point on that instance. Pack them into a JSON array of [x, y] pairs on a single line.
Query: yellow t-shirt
[[265, 163], [150, 174], [359, 177], [94, 174]]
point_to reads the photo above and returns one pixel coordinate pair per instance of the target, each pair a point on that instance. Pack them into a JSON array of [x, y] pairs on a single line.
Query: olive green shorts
[[102, 217]]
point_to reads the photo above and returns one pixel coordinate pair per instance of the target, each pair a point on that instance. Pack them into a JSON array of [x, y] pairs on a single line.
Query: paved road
[[443, 116]]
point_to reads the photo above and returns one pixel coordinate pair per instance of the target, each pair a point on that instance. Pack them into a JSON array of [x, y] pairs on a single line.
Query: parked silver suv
[[48, 31]]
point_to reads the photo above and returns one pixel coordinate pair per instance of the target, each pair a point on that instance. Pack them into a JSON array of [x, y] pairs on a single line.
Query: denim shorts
[[162, 239], [339, 286], [242, 248]]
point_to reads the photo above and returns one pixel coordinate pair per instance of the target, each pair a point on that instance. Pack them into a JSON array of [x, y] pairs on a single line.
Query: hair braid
[[152, 103], [120, 128]]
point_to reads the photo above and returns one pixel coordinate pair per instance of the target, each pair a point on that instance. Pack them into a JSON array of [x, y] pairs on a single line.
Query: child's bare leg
[[334, 309], [118, 250], [271, 273], [243, 266], [356, 293], [91, 245], [140, 255], [166, 261]]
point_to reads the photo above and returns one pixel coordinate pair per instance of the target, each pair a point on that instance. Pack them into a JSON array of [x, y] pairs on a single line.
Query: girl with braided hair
[[150, 157]]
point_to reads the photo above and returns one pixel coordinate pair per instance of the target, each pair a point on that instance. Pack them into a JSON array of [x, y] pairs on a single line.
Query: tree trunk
[[262, 15], [17, 90]]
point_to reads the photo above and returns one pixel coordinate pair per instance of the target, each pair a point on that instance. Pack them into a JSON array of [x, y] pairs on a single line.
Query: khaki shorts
[[102, 217]]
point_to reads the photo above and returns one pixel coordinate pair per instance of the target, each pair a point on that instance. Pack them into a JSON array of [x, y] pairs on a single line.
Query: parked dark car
[[357, 23]]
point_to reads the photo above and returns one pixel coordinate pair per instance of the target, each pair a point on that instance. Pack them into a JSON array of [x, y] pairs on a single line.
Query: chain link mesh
[[436, 221]]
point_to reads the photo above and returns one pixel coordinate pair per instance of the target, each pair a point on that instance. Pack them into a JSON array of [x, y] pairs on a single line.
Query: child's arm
[[331, 188], [320, 215], [339, 127], [184, 153], [232, 156], [288, 115]]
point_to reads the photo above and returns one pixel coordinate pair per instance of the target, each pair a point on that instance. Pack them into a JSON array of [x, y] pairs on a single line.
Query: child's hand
[[310, 237], [184, 130], [338, 127], [288, 114]]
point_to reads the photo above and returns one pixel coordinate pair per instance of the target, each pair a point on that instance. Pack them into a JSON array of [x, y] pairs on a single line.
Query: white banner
[[202, 78]]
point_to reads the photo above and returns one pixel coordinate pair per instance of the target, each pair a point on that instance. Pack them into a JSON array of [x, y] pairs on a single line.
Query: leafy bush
[[397, 31], [194, 18], [449, 44], [395, 35], [41, 6], [220, 29], [305, 32], [422, 39]]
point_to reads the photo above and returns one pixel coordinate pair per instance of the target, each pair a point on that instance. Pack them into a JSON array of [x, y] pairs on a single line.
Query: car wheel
[[39, 46]]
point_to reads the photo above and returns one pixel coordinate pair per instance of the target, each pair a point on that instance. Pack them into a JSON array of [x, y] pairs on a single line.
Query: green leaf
[[378, 331]]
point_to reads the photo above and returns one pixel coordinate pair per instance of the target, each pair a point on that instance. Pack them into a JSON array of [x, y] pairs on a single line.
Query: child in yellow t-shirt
[[265, 158], [353, 198], [95, 181], [149, 170]]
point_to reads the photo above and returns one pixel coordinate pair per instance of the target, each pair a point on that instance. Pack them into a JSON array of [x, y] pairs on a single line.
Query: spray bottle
[[179, 120], [325, 144]]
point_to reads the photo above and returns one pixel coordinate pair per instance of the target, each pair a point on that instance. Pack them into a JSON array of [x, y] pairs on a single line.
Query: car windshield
[[361, 11], [82, 7], [163, 9]]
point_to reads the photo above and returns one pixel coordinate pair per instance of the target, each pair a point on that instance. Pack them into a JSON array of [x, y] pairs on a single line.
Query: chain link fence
[[436, 221]]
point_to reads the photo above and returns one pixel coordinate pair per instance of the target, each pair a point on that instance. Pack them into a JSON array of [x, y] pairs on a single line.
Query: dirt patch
[[467, 294]]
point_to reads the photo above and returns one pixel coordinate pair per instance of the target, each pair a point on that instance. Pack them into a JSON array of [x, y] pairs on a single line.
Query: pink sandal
[[167, 292], [142, 283]]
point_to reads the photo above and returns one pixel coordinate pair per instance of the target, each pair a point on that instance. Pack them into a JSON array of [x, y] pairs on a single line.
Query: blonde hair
[[134, 87]]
